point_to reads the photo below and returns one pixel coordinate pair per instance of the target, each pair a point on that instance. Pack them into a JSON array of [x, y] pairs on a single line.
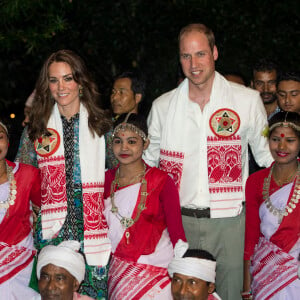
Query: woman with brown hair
[[65, 139]]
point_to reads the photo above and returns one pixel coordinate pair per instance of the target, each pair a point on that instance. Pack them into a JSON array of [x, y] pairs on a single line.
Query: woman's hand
[[35, 213], [246, 294]]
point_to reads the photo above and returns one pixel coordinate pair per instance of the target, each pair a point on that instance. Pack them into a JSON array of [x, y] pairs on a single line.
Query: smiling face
[[56, 283], [197, 58], [190, 288], [284, 145], [3, 143], [128, 147], [64, 89]]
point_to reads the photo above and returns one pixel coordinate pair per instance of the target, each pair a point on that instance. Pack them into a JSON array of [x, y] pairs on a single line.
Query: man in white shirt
[[199, 133]]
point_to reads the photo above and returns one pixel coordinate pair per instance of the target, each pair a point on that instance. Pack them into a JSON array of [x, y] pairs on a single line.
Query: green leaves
[[115, 35]]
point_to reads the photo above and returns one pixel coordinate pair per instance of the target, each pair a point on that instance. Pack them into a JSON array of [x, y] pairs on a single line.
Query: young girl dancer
[[20, 185], [272, 242], [143, 214]]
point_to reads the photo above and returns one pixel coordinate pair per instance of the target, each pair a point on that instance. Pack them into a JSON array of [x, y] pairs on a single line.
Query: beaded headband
[[127, 126], [285, 124], [5, 128]]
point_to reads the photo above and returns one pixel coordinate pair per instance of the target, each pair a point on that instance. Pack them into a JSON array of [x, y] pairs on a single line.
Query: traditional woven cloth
[[132, 281], [192, 266], [272, 270], [66, 256], [16, 242], [54, 198], [205, 152], [220, 182], [13, 259]]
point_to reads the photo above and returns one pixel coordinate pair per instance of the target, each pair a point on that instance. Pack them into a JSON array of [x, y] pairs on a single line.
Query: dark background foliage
[[115, 35]]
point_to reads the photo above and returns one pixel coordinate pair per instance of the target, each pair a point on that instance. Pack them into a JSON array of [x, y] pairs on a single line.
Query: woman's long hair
[[43, 102]]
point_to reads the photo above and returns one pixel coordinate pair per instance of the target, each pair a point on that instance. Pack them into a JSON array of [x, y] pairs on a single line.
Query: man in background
[[193, 275], [265, 74], [60, 270], [127, 92], [288, 91]]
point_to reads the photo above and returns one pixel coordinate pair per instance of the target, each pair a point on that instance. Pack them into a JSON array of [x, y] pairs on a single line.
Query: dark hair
[[138, 84], [43, 103], [5, 128], [284, 116], [265, 65], [199, 253], [200, 28], [135, 119], [236, 74], [288, 75]]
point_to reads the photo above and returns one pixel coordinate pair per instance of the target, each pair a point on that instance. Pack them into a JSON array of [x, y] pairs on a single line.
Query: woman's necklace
[[128, 222], [280, 182], [291, 205], [132, 179], [12, 189]]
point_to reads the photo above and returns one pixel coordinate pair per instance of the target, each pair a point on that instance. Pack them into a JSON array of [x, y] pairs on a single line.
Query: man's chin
[[269, 100], [51, 297]]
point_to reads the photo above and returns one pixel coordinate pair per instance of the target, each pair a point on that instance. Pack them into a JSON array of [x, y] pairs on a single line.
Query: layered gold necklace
[[291, 205], [128, 222], [12, 188]]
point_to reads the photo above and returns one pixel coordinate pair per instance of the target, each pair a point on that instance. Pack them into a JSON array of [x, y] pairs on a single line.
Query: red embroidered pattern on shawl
[[272, 270], [13, 259], [172, 163], [93, 210], [131, 281], [224, 157], [53, 186]]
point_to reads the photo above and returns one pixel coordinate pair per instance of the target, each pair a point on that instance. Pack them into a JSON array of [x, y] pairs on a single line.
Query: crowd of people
[[109, 205]]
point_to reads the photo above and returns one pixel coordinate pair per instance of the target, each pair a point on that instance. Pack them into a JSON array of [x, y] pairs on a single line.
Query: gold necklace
[[131, 180], [128, 222], [285, 181], [3, 171], [290, 206], [12, 189]]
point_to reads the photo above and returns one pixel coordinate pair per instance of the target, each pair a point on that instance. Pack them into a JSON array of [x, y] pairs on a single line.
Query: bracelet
[[247, 295]]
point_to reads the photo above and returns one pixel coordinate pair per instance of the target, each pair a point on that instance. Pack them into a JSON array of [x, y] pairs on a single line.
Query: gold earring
[[80, 91]]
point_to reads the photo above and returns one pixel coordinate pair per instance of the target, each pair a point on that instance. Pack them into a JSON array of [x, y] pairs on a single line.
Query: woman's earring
[[80, 91]]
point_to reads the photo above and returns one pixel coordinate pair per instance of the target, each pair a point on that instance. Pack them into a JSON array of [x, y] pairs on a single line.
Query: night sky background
[[113, 36]]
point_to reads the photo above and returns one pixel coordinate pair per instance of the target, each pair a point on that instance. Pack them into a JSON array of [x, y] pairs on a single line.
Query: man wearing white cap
[[60, 270], [193, 274]]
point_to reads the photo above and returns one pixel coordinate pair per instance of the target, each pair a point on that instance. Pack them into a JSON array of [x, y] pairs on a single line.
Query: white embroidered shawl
[[226, 193], [54, 198]]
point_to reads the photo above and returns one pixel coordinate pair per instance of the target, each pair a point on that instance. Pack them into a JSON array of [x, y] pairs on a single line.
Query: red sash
[[13, 259], [16, 225], [147, 231], [272, 270], [287, 233], [131, 280]]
